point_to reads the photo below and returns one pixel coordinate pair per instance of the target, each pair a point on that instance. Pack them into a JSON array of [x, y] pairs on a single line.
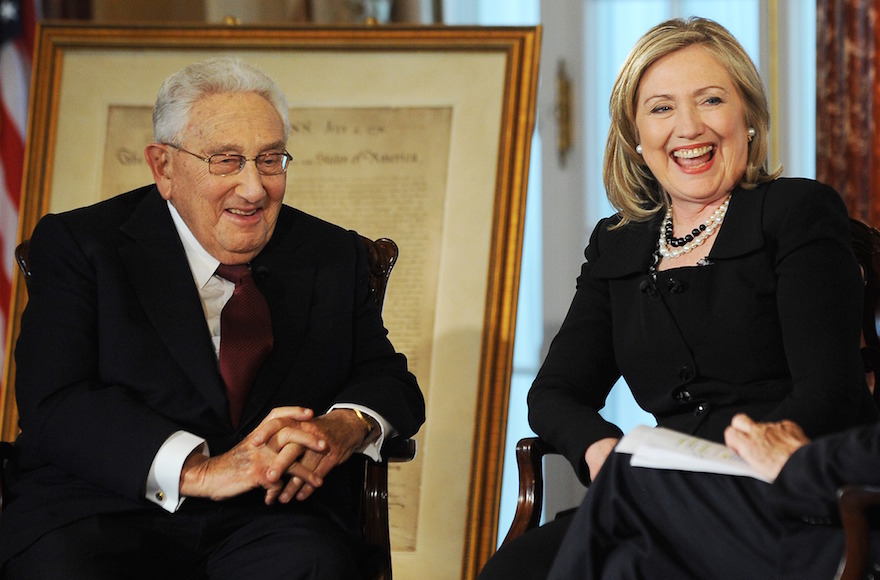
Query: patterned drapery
[[847, 103]]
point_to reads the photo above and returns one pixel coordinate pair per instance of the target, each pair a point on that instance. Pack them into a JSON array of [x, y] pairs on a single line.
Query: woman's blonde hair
[[629, 184]]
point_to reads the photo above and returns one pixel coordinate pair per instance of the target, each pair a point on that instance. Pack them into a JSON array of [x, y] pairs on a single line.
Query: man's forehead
[[242, 105], [235, 122], [238, 146]]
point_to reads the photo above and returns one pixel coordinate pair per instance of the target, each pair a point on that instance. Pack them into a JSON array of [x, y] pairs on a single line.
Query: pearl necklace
[[672, 247]]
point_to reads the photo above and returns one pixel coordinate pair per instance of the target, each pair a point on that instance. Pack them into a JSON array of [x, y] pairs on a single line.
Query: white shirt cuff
[[163, 481], [373, 450]]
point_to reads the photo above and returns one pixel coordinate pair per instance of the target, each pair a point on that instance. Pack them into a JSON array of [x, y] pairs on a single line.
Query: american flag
[[17, 29]]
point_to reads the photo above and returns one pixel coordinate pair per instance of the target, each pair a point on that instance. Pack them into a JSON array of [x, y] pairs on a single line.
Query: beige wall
[[246, 11], [132, 11]]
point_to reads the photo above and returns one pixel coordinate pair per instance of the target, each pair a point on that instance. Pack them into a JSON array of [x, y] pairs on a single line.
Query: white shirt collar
[[201, 263]]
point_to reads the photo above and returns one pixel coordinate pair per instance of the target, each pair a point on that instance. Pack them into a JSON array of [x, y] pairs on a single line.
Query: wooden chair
[[381, 257], [856, 501], [530, 452], [373, 509]]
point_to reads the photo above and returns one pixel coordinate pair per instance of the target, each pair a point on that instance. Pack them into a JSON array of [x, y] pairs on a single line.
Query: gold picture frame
[[468, 92]]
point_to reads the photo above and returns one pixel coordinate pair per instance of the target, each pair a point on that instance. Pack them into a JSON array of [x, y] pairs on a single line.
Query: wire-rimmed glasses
[[224, 164]]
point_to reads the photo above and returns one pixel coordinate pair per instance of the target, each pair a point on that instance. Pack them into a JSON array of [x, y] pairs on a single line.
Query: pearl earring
[[751, 133], [639, 148]]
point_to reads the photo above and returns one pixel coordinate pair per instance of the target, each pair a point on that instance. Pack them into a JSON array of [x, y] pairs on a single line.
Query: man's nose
[[250, 185]]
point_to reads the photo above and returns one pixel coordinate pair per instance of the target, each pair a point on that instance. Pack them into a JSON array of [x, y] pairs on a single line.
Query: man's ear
[[159, 160]]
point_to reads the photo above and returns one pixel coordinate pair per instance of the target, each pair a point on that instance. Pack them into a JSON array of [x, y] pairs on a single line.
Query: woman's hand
[[597, 453]]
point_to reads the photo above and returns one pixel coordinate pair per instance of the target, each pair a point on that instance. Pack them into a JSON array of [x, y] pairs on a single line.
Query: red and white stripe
[[16, 58]]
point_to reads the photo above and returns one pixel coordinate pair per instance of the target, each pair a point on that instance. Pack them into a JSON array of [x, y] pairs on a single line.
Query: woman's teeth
[[692, 153]]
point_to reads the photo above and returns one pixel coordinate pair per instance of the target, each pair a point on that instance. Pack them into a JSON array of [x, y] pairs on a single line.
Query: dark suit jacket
[[804, 496], [770, 327], [115, 355]]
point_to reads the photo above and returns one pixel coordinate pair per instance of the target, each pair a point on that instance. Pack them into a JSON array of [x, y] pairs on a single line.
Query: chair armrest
[[399, 450], [530, 452], [854, 502]]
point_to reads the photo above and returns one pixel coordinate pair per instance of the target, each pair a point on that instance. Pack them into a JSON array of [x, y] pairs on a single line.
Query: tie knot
[[233, 273]]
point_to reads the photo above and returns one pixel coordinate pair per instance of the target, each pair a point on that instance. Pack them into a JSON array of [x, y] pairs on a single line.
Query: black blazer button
[[674, 286], [682, 395], [700, 409], [686, 373]]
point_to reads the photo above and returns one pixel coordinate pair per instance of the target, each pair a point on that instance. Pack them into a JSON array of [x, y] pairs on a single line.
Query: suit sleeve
[[578, 372], [69, 417], [819, 297], [808, 483], [379, 378]]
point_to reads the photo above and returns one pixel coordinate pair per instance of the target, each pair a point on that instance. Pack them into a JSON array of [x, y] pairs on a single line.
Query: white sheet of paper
[[662, 448]]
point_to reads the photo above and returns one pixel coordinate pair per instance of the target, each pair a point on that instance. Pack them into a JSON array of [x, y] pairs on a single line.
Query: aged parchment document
[[383, 173]]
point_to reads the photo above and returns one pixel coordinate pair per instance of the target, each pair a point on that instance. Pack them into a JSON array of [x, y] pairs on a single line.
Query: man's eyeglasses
[[223, 164]]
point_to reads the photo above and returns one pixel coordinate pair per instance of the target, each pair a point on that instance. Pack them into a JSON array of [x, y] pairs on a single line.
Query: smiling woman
[[699, 291], [691, 126], [670, 88]]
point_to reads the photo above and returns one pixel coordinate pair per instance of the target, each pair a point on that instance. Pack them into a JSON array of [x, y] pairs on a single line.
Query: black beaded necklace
[[672, 247], [676, 242]]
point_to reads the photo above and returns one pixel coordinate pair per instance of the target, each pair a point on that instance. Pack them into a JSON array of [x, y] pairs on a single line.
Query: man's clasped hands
[[288, 454]]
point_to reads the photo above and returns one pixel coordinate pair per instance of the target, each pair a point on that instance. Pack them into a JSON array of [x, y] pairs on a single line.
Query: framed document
[[419, 134]]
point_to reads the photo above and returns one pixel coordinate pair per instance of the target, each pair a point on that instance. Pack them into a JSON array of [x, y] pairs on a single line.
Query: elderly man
[[197, 362]]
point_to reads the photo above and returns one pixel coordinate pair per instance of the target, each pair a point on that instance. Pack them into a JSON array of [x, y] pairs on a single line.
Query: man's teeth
[[691, 153], [240, 212]]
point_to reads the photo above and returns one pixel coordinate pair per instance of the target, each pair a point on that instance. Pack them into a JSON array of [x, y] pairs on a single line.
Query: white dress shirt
[[163, 480]]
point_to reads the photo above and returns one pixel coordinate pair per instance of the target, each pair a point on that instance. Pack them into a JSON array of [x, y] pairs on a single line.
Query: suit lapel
[[157, 266], [742, 231], [284, 271], [628, 250]]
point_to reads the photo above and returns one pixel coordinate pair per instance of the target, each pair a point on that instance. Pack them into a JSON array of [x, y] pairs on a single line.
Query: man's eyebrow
[[277, 145], [235, 147]]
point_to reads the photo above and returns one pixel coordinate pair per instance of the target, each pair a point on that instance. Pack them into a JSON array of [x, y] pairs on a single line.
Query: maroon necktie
[[245, 336]]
